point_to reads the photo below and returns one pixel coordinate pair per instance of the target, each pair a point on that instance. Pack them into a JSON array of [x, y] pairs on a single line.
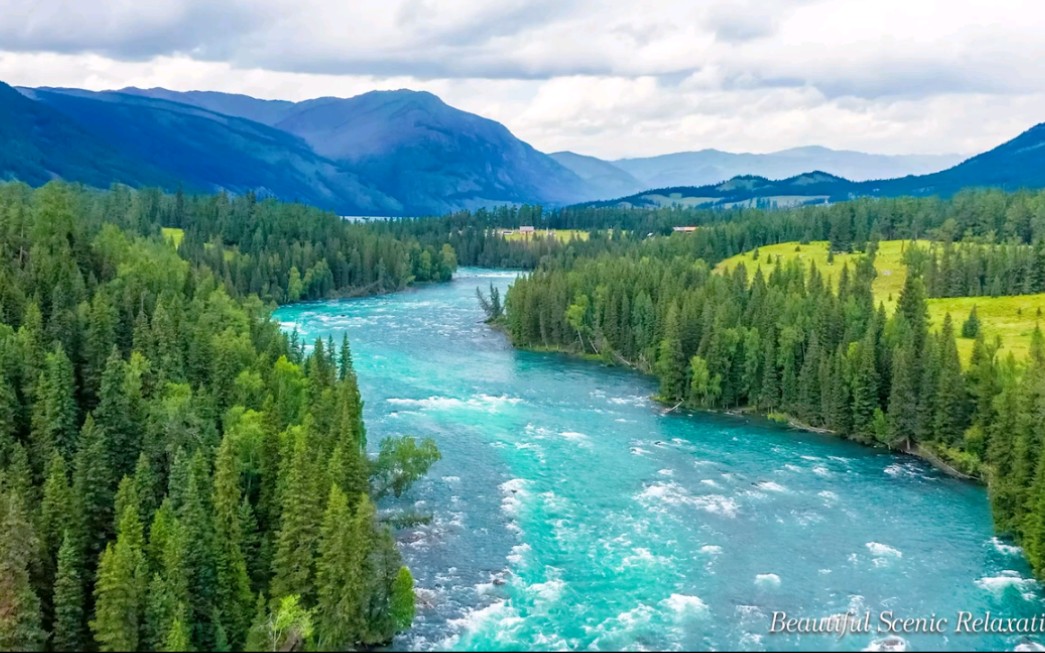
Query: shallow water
[[570, 513]]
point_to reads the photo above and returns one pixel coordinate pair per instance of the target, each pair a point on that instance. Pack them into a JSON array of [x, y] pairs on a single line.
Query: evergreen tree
[[299, 524], [69, 599], [20, 612], [971, 325], [91, 489], [120, 589], [54, 416], [671, 360], [178, 638], [403, 599], [340, 576], [113, 418], [951, 396], [233, 596], [865, 386], [903, 401]]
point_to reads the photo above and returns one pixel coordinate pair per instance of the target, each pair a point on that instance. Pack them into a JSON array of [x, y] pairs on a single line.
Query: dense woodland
[[175, 472], [794, 345]]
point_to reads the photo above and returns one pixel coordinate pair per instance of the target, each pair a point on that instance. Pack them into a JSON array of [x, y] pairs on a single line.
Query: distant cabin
[[684, 228], [526, 230]]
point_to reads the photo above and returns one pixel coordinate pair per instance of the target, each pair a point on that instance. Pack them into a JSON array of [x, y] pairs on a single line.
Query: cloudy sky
[[608, 78]]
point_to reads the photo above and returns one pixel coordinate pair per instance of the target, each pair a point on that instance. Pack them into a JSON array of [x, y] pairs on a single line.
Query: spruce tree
[[299, 524], [21, 618], [178, 638], [340, 574], [971, 326], [903, 400], [69, 598], [233, 596], [865, 386], [113, 417], [120, 588], [56, 508], [951, 395], [55, 414], [671, 360], [403, 600], [195, 517], [91, 489]]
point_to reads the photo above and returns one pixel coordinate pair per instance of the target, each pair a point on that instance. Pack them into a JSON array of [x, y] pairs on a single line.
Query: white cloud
[[606, 78]]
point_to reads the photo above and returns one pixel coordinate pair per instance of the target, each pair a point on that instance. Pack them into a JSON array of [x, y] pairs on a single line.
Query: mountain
[[1013, 165], [815, 187], [267, 112], [712, 166], [210, 151], [603, 178], [409, 153], [412, 146], [40, 144], [417, 148]]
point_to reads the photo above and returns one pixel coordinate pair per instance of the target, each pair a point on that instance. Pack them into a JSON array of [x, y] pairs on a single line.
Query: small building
[[684, 228], [526, 230]]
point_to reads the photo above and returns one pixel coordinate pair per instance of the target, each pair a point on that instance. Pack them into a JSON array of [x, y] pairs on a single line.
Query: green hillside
[[1010, 318]]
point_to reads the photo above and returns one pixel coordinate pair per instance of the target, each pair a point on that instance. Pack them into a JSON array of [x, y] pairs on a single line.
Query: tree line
[[175, 472], [988, 217]]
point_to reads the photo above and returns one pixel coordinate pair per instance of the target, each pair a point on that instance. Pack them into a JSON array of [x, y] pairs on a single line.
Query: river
[[569, 512]]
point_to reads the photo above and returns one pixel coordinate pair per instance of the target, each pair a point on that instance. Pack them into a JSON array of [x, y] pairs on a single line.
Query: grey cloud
[[137, 31]]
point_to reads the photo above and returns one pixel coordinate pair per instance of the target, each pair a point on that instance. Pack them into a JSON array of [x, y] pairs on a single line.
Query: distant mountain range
[[704, 167], [380, 153], [712, 166], [409, 153], [1014, 165]]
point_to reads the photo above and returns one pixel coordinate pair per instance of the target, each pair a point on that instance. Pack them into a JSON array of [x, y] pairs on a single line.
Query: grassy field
[[562, 235], [175, 236], [1012, 319]]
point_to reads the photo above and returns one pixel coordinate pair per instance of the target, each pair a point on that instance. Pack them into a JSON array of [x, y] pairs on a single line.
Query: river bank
[[916, 450]]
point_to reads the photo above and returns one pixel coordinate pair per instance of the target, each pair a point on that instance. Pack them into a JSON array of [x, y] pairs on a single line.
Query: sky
[[611, 78]]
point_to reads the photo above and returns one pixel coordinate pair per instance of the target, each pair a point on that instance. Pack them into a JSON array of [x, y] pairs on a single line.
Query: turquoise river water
[[570, 513]]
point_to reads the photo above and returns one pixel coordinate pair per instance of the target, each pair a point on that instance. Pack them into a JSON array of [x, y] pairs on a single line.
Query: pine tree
[[671, 360], [971, 326], [20, 612], [178, 638], [809, 394], [195, 517], [56, 509], [99, 342], [69, 598], [339, 574], [769, 396], [865, 386], [257, 639], [120, 589], [91, 489], [55, 413], [300, 524], [233, 595], [903, 400], [403, 600], [113, 418], [951, 395]]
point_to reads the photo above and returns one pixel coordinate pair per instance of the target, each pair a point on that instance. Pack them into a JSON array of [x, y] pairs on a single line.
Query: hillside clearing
[[174, 235], [562, 235]]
